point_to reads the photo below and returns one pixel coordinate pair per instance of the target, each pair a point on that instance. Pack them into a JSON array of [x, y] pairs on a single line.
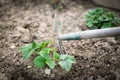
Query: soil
[[24, 21]]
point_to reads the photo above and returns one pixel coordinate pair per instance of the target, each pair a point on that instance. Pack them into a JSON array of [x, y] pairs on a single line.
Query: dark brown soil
[[22, 21]]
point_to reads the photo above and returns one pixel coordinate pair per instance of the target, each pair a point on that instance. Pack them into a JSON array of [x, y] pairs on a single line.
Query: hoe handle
[[98, 33]]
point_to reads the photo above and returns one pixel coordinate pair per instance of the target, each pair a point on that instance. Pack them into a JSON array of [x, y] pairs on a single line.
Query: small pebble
[[88, 66], [3, 57], [35, 25], [47, 71], [18, 63], [29, 67], [12, 46]]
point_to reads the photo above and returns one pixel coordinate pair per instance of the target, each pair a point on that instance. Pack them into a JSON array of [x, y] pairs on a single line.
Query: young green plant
[[46, 56], [101, 18]]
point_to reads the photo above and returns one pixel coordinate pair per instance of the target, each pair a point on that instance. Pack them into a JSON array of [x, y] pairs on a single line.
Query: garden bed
[[23, 21]]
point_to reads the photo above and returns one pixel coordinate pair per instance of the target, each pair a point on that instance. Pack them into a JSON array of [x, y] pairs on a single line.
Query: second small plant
[[101, 18], [47, 56]]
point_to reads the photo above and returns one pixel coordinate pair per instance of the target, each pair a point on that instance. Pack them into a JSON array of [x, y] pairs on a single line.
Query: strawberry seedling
[[101, 18], [46, 56]]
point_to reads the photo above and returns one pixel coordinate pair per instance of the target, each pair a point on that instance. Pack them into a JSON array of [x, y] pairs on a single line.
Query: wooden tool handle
[[98, 33]]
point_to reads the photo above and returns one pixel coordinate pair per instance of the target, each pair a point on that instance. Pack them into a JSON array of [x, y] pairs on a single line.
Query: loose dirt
[[24, 21]]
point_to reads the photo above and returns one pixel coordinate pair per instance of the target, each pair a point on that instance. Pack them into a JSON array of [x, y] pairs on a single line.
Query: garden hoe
[[98, 33]]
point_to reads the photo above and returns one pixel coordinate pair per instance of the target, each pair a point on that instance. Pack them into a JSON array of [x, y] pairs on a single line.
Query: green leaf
[[34, 45], [89, 24], [51, 64], [107, 25], [24, 48], [44, 44], [27, 51], [65, 65], [66, 61], [45, 55], [40, 62], [63, 56], [55, 56], [47, 50], [67, 57], [71, 59]]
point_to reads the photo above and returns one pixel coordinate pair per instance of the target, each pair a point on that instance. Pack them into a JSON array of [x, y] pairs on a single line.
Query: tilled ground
[[24, 21]]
